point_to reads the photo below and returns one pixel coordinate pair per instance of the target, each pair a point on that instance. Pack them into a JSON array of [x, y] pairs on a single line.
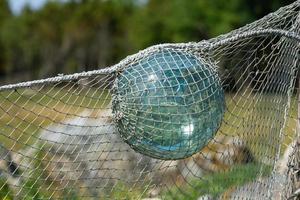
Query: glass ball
[[168, 105]]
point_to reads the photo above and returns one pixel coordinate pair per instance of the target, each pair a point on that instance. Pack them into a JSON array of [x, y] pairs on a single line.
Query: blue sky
[[17, 5]]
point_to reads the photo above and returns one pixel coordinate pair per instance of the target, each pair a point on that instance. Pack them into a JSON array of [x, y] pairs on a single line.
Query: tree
[[4, 14], [81, 35]]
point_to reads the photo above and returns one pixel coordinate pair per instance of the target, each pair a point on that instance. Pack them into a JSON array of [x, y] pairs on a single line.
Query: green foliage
[[5, 192], [69, 99], [71, 194], [37, 186], [218, 183], [5, 11], [183, 21], [83, 35], [122, 191], [31, 188]]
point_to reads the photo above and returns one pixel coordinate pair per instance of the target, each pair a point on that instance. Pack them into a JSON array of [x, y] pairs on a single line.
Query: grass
[[5, 192], [24, 113], [258, 122], [125, 192], [218, 183], [213, 184]]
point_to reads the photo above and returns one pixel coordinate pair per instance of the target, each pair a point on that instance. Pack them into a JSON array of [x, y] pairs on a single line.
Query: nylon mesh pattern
[[215, 119]]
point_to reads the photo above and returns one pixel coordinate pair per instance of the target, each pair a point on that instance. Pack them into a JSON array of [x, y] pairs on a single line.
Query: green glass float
[[168, 105]]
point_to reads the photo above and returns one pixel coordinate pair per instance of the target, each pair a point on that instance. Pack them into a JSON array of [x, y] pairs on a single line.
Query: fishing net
[[215, 119]]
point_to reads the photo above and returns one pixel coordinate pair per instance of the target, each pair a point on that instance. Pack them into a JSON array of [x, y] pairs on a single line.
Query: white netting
[[215, 119]]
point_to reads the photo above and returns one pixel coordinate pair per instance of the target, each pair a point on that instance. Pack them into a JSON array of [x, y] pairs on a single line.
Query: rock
[[288, 171], [258, 189], [206, 197], [7, 164], [219, 155], [151, 199], [9, 170], [282, 164], [85, 151]]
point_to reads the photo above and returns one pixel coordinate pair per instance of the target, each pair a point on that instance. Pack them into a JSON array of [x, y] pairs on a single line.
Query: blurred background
[[59, 140], [40, 38]]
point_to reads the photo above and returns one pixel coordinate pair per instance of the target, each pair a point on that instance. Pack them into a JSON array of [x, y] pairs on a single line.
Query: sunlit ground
[[24, 113]]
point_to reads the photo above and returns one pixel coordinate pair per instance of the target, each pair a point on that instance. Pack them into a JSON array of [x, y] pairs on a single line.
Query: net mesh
[[217, 119]]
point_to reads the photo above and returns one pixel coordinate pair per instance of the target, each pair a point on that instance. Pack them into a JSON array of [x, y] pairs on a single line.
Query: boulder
[[85, 151], [9, 170], [220, 154]]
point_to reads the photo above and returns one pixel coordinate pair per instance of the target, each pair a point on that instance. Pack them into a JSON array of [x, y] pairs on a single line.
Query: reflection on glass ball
[[168, 105]]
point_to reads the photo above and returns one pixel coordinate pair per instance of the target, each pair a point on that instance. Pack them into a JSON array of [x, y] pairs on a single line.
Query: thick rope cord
[[213, 119], [200, 46]]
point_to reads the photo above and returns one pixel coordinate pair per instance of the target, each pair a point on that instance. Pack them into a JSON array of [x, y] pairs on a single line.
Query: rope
[[200, 46]]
